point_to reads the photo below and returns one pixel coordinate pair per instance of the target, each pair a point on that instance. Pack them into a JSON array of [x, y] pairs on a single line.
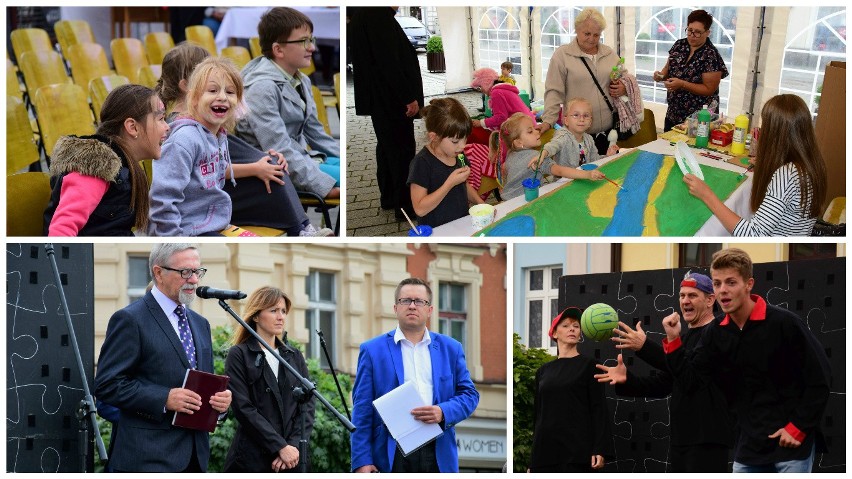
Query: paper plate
[[686, 161]]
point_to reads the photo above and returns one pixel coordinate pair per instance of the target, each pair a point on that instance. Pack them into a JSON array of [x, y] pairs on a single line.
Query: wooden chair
[[254, 47], [13, 86], [100, 87], [157, 44], [647, 132], [27, 195], [128, 55], [149, 74], [322, 115], [313, 200], [29, 40], [87, 60], [73, 32], [202, 36], [239, 55], [42, 68], [21, 147], [62, 109]]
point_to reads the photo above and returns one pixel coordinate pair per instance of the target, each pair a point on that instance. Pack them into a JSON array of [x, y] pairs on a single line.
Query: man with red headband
[[775, 374], [700, 431]]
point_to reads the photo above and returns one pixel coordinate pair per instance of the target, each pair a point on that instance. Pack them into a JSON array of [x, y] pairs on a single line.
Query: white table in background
[[241, 22]]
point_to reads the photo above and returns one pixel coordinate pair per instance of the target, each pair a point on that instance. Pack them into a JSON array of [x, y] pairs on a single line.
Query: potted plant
[[435, 55]]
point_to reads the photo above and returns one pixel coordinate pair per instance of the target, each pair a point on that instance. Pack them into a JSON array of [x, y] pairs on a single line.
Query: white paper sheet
[[395, 410]]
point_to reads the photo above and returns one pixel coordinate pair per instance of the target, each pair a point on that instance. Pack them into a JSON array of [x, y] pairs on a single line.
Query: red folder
[[205, 385]]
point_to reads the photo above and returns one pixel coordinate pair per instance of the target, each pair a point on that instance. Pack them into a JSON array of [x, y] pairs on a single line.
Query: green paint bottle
[[702, 134]]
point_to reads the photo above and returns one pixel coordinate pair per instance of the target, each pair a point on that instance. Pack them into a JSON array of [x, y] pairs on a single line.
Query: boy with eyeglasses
[[436, 365], [282, 112]]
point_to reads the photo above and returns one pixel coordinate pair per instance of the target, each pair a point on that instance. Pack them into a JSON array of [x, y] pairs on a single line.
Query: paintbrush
[[614, 183], [741, 175], [410, 222]]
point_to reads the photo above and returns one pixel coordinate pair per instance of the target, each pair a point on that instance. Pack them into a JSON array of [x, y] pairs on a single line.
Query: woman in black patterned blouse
[[693, 71]]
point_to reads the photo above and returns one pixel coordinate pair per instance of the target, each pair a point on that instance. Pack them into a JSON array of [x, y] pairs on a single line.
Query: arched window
[[557, 29], [665, 25], [500, 38], [809, 49]]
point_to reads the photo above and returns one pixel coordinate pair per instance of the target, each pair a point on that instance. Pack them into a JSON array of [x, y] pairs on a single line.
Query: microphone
[[206, 292]]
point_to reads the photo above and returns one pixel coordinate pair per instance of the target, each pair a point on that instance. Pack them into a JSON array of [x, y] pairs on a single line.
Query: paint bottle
[[738, 144], [702, 134]]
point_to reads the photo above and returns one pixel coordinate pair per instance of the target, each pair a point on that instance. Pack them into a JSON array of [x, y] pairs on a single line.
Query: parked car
[[416, 32]]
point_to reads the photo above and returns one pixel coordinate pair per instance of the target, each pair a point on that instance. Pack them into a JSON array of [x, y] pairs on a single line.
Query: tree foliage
[[525, 363], [329, 441]]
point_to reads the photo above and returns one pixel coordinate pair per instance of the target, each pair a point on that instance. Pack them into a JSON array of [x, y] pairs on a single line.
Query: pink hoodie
[[504, 101]]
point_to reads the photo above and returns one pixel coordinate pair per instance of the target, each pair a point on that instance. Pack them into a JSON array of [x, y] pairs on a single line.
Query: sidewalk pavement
[[364, 215]]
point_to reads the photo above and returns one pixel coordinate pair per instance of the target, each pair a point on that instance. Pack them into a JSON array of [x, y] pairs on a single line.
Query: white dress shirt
[[417, 363]]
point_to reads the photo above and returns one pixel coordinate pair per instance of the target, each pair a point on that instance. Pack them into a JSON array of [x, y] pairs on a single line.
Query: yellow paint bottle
[[740, 131]]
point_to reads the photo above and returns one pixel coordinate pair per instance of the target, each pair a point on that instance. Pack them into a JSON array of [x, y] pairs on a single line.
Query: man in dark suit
[[389, 89], [435, 363], [149, 346]]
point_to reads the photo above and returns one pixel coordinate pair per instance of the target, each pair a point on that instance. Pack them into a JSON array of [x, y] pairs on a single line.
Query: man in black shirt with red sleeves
[[774, 372]]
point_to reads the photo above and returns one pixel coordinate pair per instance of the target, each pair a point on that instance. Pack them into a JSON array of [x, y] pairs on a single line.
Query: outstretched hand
[[612, 374], [628, 338]]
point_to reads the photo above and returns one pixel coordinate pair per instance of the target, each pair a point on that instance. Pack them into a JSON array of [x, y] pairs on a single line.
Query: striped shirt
[[781, 212]]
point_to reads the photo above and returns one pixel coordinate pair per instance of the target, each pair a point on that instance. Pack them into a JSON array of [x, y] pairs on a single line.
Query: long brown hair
[[178, 65], [137, 102], [788, 130], [262, 298]]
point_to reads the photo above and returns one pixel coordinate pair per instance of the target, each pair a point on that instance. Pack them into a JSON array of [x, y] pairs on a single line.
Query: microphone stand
[[333, 373], [305, 387], [87, 409]]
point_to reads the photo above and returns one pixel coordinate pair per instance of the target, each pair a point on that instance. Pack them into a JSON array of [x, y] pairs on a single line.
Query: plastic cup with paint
[[482, 215], [422, 230], [588, 166], [531, 188]]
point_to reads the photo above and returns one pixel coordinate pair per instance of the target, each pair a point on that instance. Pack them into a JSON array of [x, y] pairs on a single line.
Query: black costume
[[264, 407], [572, 421], [775, 374], [386, 75], [701, 431]]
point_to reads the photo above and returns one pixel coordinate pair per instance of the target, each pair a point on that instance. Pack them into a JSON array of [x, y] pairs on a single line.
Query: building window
[[812, 251], [321, 314], [557, 29], [655, 35], [541, 296], [452, 311], [697, 254], [500, 38], [138, 277], [810, 48]]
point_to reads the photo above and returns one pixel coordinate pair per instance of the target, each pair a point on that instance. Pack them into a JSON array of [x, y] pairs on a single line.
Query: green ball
[[598, 321]]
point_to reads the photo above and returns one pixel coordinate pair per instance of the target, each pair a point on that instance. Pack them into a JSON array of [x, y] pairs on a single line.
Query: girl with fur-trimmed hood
[[99, 187]]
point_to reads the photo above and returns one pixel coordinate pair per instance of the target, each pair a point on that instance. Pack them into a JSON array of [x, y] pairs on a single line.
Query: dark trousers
[[602, 142], [394, 150], [421, 460], [699, 458]]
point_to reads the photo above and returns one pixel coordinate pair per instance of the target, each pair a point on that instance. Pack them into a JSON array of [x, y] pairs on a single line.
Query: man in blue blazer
[[436, 365], [148, 348]]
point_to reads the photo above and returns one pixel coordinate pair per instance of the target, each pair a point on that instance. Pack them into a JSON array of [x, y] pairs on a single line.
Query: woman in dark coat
[[269, 429]]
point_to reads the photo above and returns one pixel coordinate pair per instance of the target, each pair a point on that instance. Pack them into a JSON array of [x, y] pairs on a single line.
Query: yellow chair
[[128, 55], [646, 134], [157, 44], [13, 86], [835, 213], [312, 200], [489, 185], [254, 47], [73, 32], [42, 68], [239, 55], [61, 110], [202, 36], [27, 195], [322, 115], [100, 87], [87, 60], [21, 148], [148, 167], [309, 69], [337, 89], [149, 74], [264, 231], [29, 40]]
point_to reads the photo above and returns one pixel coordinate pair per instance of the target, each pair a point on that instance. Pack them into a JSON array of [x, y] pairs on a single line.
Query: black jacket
[[265, 410]]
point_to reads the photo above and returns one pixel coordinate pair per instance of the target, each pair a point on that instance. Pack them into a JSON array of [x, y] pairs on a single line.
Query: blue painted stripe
[[629, 213]]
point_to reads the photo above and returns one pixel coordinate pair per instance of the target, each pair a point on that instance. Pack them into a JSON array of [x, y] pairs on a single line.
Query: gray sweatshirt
[[187, 198]]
